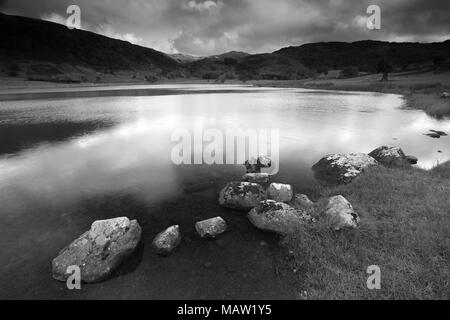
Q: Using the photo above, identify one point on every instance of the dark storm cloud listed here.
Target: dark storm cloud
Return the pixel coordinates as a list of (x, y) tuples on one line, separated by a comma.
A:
[(205, 27)]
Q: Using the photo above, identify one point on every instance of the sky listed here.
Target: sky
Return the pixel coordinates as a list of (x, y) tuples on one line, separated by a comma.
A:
[(208, 27)]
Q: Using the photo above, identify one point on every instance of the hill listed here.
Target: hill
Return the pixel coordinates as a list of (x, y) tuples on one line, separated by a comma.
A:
[(365, 55)]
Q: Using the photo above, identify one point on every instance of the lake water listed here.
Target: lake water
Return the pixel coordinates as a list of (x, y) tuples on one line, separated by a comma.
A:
[(67, 162)]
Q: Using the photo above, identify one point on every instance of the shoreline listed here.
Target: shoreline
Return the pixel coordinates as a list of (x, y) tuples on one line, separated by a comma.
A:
[(422, 91)]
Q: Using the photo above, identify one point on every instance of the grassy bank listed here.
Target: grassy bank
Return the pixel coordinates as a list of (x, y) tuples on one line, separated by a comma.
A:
[(422, 90), (404, 229)]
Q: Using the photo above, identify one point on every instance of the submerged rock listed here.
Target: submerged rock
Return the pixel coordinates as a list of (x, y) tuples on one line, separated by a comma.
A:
[(342, 168), (99, 251), (256, 177), (254, 165), (277, 217), (211, 228), (390, 156), (241, 195), (341, 214), (280, 192), (166, 241), (301, 201)]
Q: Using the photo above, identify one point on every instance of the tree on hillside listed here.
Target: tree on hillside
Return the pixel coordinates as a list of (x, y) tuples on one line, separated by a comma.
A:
[(385, 68)]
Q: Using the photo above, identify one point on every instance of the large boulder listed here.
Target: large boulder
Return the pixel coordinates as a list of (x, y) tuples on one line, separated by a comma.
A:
[(241, 195), (254, 164), (280, 192), (342, 168), (166, 241), (340, 213), (211, 228), (99, 251), (277, 217), (390, 156)]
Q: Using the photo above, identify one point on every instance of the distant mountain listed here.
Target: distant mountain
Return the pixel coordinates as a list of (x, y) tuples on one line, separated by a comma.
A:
[(30, 40), (237, 55), (184, 58)]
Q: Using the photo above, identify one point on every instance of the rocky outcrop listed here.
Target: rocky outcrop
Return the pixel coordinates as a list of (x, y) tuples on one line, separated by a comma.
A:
[(256, 177), (301, 201), (211, 228), (277, 217), (254, 165), (342, 168), (241, 195), (99, 251), (166, 241), (390, 156), (340, 213), (280, 192)]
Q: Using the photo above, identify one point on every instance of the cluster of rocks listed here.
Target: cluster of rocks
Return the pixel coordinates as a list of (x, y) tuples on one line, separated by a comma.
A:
[(344, 168), (103, 248), (276, 208)]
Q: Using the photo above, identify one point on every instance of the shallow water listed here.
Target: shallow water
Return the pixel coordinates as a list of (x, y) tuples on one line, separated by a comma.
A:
[(115, 160)]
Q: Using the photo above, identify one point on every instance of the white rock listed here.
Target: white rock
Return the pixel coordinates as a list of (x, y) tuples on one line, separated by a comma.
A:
[(280, 192), (301, 201), (166, 241), (256, 177), (341, 214), (390, 156), (211, 228), (241, 195)]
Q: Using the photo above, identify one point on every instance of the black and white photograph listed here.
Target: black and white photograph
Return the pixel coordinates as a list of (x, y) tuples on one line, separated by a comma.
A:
[(205, 151)]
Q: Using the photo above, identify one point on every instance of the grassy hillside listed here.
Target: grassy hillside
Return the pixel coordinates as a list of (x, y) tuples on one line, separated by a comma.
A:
[(365, 55)]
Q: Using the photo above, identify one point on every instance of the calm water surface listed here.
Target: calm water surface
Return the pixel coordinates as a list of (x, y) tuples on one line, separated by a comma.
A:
[(68, 162)]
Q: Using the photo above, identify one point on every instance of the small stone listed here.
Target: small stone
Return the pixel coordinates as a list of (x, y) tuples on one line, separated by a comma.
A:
[(208, 265), (256, 177), (280, 192), (166, 241), (211, 228)]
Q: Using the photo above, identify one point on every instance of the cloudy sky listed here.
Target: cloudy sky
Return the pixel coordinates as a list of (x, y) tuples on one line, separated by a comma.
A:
[(205, 27)]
